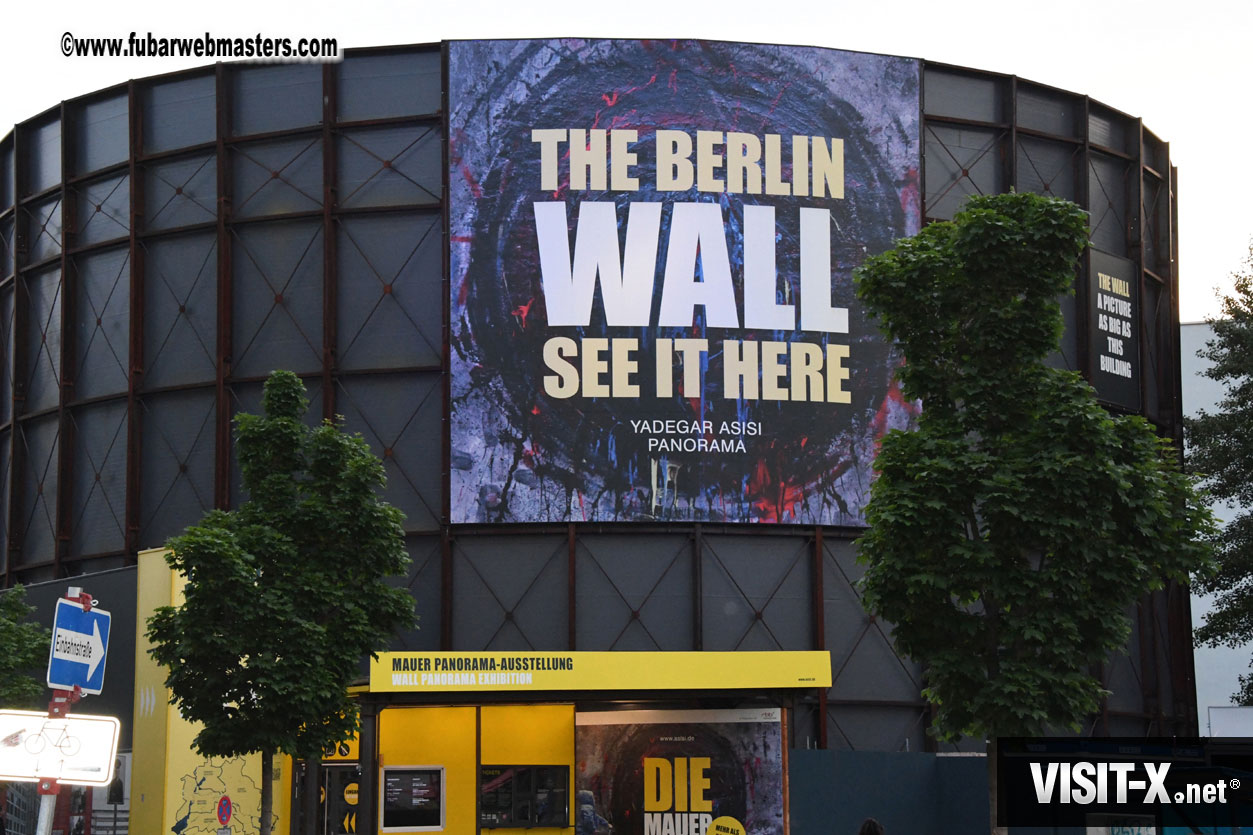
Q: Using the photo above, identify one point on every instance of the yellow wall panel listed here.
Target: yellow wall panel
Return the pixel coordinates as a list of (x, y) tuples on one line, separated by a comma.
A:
[(172, 787), (528, 735), (151, 717), (435, 736)]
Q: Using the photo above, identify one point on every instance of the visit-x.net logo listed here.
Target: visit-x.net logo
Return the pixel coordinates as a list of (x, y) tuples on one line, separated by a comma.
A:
[(1174, 782), (1117, 782)]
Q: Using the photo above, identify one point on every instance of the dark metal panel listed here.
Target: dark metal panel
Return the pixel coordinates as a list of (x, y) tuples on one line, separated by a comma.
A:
[(1155, 210), (445, 589), (1047, 167), (961, 161), (103, 209), (275, 97), (876, 726), (277, 177), (865, 666), (101, 361), (179, 192), (389, 269), (40, 442), (1110, 130), (510, 593), (46, 228), (276, 315), (390, 166), (1155, 344), (635, 592), (101, 134), (43, 150), (1153, 153), (179, 113), (698, 587), (1048, 111), (977, 97), (399, 416), (1122, 673), (180, 303), (1110, 204), (177, 451), (378, 86), (424, 582), (756, 593), (97, 508), (41, 376)]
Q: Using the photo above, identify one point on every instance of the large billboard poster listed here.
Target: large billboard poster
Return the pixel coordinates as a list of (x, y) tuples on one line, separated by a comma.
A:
[(651, 253), (679, 772)]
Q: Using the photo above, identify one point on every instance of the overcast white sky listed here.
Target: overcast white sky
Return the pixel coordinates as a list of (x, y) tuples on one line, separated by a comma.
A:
[(1182, 65)]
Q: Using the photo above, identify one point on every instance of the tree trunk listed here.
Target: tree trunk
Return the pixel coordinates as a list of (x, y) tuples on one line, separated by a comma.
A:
[(993, 757), (267, 790)]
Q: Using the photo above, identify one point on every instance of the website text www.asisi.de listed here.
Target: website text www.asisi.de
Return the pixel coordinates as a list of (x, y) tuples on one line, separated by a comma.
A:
[(256, 47)]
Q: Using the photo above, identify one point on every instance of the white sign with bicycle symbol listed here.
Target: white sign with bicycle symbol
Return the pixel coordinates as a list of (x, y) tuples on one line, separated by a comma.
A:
[(78, 749)]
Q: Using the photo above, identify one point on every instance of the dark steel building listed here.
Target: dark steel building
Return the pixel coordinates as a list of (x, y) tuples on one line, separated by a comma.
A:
[(167, 242)]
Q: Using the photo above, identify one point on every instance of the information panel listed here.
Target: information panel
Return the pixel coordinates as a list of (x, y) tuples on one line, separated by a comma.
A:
[(516, 796), (652, 248), (413, 799)]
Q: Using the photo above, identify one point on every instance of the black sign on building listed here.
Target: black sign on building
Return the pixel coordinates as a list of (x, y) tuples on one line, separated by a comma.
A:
[(1114, 342)]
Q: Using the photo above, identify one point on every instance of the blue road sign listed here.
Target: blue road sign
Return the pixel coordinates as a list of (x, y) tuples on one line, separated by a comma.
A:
[(80, 641)]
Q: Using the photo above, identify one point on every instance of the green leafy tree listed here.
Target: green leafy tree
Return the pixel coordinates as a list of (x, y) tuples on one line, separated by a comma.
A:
[(25, 646), (285, 595), (1220, 445), (1014, 529)]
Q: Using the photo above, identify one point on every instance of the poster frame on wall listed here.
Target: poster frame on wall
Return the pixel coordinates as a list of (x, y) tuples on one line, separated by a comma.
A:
[(759, 779), (382, 795)]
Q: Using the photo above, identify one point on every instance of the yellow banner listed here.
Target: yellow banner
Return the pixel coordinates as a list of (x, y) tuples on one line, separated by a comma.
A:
[(435, 672)]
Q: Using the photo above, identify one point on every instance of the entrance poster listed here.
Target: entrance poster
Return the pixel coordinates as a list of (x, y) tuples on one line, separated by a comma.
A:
[(679, 772), (651, 249)]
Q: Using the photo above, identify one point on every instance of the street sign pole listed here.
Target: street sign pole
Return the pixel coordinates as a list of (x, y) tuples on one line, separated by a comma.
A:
[(59, 707), (47, 805)]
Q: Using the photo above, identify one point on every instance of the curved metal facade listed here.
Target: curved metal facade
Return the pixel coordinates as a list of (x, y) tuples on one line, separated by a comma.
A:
[(166, 243)]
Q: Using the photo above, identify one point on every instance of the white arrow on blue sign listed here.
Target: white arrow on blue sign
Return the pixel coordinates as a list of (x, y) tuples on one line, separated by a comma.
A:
[(80, 641)]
